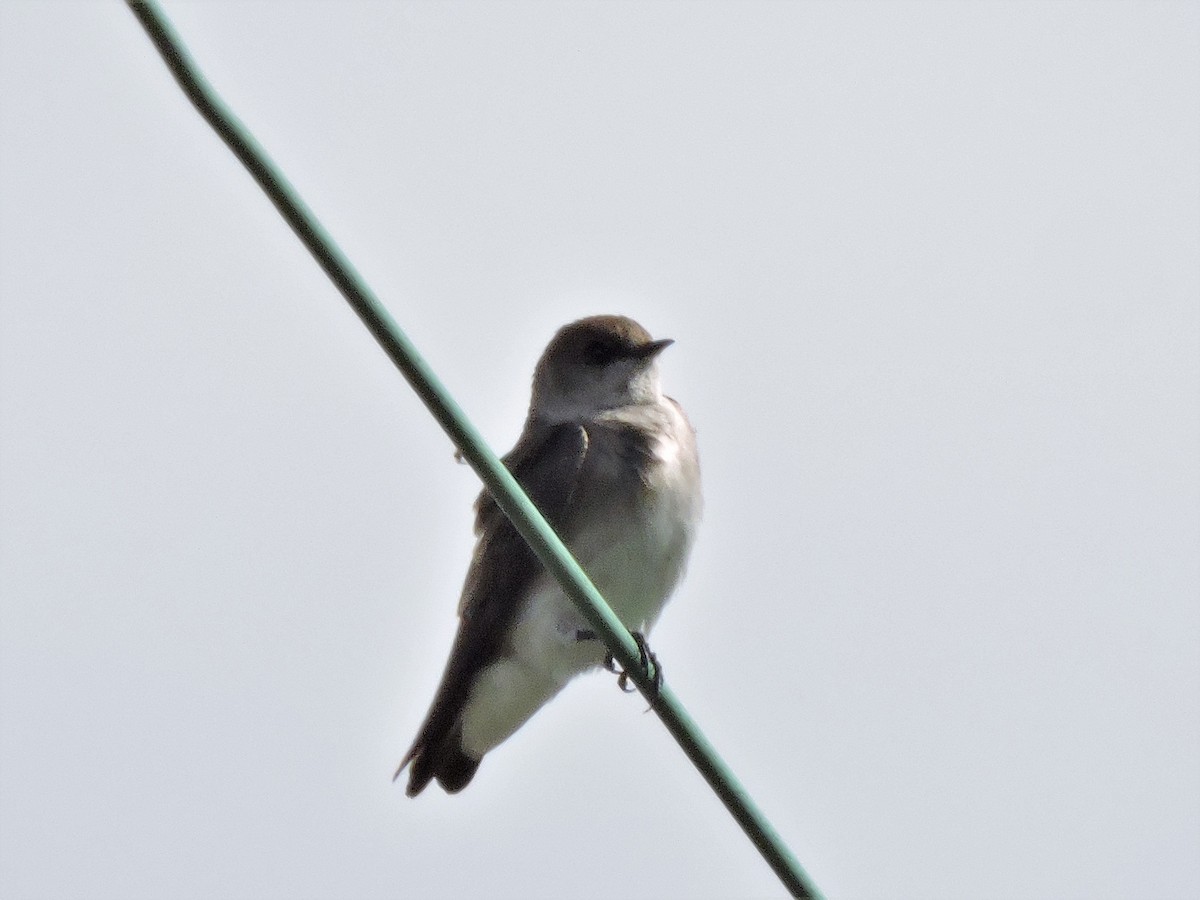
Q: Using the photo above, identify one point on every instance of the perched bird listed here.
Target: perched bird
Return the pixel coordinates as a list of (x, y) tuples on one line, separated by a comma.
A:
[(611, 463)]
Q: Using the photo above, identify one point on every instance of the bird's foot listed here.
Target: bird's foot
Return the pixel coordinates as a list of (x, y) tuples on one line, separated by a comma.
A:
[(648, 660)]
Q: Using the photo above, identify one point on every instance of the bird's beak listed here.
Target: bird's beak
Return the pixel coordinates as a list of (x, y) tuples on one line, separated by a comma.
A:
[(653, 348)]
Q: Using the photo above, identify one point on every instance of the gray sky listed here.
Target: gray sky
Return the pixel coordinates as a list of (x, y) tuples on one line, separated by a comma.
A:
[(934, 274)]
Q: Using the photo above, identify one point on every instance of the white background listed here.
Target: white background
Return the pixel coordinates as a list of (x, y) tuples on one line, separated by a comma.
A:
[(934, 274)]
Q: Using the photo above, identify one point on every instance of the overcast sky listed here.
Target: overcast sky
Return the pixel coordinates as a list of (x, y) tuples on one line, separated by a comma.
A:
[(933, 270)]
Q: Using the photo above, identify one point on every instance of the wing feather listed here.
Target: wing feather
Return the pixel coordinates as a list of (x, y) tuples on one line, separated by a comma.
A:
[(547, 466)]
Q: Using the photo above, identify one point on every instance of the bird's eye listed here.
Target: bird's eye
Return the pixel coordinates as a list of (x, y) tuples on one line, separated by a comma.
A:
[(598, 353)]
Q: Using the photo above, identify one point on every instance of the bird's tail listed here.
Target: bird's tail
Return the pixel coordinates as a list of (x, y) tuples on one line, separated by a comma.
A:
[(446, 761)]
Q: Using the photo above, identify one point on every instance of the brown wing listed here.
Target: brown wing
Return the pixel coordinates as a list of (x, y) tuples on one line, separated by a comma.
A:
[(547, 467)]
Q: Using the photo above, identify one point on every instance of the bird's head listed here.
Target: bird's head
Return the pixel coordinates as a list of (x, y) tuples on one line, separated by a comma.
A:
[(597, 363)]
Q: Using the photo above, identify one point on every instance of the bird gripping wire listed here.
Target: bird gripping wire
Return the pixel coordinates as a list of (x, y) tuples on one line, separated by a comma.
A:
[(503, 487)]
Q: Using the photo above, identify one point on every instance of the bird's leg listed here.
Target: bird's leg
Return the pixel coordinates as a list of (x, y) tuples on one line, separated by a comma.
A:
[(586, 634), (648, 660), (610, 663)]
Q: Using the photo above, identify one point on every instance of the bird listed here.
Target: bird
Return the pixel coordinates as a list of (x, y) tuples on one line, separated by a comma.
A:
[(611, 463)]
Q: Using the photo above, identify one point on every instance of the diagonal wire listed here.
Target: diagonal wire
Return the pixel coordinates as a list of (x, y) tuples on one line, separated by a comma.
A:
[(508, 494)]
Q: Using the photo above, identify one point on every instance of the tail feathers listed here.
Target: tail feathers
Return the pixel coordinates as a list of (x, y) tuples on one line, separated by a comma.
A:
[(447, 762)]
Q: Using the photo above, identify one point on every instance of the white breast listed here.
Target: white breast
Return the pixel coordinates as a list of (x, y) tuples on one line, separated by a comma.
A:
[(636, 562), (635, 559)]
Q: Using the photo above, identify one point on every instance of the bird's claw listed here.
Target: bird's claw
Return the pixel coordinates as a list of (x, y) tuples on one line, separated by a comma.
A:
[(648, 660)]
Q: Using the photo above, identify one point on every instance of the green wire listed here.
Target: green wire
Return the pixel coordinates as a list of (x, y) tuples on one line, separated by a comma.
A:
[(500, 483)]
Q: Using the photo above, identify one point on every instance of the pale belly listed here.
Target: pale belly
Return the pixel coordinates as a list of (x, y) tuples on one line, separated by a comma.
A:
[(635, 564)]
